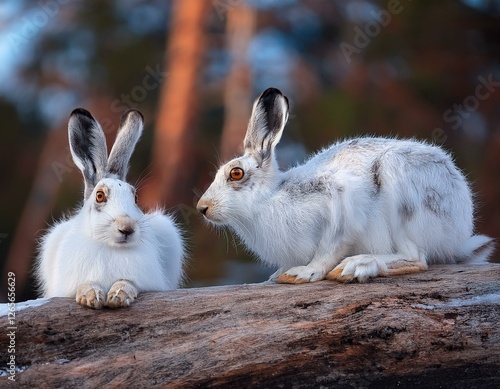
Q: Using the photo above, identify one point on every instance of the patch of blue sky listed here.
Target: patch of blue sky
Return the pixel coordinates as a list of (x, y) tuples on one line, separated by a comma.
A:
[(269, 4), (484, 5), (272, 58), (359, 11), (145, 18)]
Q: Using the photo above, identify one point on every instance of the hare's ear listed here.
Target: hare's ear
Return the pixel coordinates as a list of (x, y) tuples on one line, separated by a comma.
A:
[(269, 116), (88, 147), (131, 126)]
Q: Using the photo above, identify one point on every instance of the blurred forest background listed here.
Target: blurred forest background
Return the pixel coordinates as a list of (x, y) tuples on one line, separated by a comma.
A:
[(424, 69)]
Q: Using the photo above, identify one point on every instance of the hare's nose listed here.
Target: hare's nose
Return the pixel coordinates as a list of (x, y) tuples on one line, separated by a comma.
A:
[(202, 209), (126, 231), (203, 206), (125, 225)]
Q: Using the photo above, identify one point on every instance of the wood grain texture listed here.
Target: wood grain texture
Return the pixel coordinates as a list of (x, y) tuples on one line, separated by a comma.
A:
[(439, 328)]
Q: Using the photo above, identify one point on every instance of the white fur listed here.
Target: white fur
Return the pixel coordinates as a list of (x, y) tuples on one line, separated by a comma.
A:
[(72, 254), (364, 207), (89, 248)]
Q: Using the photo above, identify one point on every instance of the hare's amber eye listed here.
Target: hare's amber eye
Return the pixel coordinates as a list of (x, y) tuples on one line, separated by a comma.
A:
[(100, 196), (236, 174)]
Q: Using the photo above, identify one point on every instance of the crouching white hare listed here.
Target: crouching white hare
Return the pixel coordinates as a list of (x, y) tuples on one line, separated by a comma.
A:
[(361, 208), (110, 250)]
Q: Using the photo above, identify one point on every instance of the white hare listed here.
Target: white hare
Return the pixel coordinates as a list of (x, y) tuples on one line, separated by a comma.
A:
[(110, 250), (361, 208)]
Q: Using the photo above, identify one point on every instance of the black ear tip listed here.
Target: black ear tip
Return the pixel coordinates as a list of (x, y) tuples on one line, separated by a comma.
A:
[(131, 113), (269, 96), (81, 112), (271, 92)]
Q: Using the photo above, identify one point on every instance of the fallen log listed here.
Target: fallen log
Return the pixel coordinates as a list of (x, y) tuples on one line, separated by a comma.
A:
[(435, 329)]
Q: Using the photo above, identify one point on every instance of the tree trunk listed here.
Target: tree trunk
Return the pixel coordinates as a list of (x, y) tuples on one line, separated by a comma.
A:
[(173, 163), (434, 329), (52, 166), (238, 90)]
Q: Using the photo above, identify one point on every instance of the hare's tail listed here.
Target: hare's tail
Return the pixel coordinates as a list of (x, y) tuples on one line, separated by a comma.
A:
[(478, 248)]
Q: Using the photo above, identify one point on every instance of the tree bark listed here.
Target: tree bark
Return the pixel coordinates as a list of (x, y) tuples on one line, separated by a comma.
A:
[(434, 329), (240, 27), (173, 164)]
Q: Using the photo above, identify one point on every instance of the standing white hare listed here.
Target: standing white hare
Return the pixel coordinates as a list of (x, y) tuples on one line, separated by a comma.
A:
[(110, 250), (361, 208)]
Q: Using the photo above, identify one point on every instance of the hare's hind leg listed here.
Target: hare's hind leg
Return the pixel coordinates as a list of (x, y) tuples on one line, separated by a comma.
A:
[(364, 266), (121, 294), (90, 295)]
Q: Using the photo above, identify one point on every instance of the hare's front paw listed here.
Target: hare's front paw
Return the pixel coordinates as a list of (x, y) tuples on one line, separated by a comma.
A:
[(90, 295), (121, 294), (301, 275), (361, 267)]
